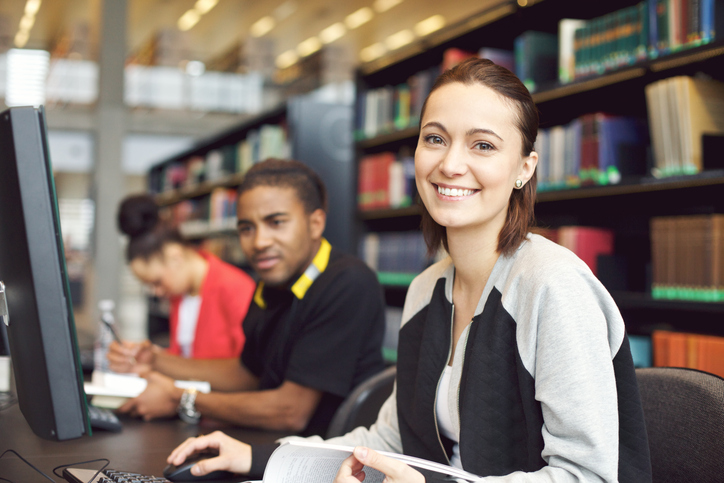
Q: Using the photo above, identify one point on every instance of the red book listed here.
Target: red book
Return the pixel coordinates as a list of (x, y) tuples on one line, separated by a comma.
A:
[(453, 56), (364, 183), (588, 243), (382, 179)]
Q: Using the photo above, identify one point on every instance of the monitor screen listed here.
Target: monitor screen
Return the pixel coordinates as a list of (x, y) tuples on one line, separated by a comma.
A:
[(40, 324)]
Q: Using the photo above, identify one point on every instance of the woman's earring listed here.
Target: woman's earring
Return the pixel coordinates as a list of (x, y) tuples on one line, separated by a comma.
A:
[(518, 184)]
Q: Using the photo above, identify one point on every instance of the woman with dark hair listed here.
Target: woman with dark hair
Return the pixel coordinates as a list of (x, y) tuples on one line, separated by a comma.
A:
[(513, 362), (209, 298)]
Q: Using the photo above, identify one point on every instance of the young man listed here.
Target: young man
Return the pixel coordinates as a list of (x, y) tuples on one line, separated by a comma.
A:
[(313, 331)]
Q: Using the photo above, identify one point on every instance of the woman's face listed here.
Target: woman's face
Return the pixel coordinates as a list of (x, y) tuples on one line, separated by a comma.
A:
[(164, 273), (468, 157)]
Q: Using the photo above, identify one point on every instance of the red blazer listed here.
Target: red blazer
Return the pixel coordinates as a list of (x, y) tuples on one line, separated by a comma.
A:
[(225, 296)]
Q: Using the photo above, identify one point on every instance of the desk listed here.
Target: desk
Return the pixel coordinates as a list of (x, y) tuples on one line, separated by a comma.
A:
[(141, 447)]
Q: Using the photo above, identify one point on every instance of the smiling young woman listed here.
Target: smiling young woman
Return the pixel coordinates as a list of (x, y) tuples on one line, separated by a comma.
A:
[(513, 360)]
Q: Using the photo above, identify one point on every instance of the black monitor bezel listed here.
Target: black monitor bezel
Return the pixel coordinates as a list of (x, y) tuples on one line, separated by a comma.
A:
[(44, 353)]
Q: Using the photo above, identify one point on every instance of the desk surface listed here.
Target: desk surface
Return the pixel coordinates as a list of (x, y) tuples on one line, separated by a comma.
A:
[(141, 447)]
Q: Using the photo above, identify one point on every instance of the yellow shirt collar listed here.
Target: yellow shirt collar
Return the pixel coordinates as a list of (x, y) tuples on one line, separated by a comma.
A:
[(300, 287)]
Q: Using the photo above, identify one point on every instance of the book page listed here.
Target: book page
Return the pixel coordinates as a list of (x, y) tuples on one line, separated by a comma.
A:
[(294, 463), (312, 462)]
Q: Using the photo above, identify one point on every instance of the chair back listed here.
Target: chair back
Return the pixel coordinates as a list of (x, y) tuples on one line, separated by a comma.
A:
[(684, 413), (362, 405)]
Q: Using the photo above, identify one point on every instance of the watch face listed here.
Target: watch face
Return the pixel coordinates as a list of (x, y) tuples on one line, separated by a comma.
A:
[(187, 408)]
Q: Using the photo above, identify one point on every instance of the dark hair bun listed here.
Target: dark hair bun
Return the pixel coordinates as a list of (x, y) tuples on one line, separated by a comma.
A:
[(137, 214)]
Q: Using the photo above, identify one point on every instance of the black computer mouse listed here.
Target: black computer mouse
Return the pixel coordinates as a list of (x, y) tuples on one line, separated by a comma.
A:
[(182, 472)]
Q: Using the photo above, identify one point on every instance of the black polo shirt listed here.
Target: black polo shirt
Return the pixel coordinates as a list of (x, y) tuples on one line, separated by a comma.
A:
[(324, 332)]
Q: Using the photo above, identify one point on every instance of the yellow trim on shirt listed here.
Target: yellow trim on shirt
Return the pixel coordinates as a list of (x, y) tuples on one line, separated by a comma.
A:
[(300, 287)]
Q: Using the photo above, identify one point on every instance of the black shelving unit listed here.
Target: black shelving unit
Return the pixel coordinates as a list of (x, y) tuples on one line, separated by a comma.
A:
[(626, 207)]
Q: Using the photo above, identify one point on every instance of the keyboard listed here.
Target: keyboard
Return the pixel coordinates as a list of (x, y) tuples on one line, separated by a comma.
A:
[(104, 418), (82, 475)]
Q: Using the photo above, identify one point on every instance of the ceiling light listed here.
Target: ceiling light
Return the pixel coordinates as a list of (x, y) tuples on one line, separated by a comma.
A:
[(403, 37), (523, 3), (385, 5), (287, 59), (32, 7), (309, 46), (26, 23), (262, 26), (203, 6), (21, 38), (372, 52), (26, 73), (360, 17), (332, 33), (188, 20), (429, 25)]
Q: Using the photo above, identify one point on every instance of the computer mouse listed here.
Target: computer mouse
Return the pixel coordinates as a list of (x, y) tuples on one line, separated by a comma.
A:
[(182, 472)]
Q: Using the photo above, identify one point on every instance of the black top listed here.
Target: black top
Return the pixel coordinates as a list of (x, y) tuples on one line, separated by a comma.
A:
[(329, 339)]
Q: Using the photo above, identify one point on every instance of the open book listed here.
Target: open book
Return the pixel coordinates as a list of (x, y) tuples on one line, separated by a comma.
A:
[(111, 389), (296, 461)]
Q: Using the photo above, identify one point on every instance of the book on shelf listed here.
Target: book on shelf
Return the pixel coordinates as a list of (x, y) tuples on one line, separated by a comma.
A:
[(453, 56), (222, 205), (385, 181), (647, 30), (693, 351), (587, 243), (504, 58), (681, 110), (302, 460), (390, 108), (687, 257), (225, 247), (641, 350), (395, 252), (536, 58), (595, 148), (566, 48), (268, 141)]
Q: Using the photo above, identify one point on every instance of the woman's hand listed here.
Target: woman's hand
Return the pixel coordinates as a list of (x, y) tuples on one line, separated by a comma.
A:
[(135, 357), (395, 471), (234, 455)]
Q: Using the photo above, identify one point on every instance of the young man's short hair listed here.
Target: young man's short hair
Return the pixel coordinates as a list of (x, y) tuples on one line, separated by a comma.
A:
[(289, 174)]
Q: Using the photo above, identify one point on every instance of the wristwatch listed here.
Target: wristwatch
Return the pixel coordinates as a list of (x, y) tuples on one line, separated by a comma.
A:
[(187, 406)]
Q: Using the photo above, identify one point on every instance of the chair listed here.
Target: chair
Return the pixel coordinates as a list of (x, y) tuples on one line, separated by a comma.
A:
[(684, 414), (364, 402)]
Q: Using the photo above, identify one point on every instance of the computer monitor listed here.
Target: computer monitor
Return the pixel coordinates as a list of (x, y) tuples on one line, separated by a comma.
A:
[(40, 324)]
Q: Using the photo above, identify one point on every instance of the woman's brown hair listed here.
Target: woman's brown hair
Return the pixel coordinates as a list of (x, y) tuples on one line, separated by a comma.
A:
[(520, 217)]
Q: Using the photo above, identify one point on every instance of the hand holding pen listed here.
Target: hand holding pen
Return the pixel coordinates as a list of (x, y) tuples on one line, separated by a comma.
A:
[(126, 356)]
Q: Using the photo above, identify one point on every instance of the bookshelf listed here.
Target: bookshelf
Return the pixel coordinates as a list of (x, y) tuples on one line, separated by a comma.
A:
[(302, 128), (625, 207)]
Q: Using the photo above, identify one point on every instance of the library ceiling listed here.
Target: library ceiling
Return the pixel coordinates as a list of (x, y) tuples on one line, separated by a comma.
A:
[(208, 29)]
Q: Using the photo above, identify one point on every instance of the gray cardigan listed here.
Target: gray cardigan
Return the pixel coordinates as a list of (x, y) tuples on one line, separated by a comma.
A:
[(543, 380)]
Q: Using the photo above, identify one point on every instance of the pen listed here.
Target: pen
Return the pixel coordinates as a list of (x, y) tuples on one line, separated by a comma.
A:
[(112, 329), (115, 336)]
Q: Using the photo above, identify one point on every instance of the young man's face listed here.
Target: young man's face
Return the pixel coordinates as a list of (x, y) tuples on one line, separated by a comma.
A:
[(277, 235)]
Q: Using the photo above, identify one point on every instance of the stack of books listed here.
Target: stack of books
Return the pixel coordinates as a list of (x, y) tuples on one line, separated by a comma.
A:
[(678, 349), (385, 181), (594, 149), (681, 109), (687, 257)]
